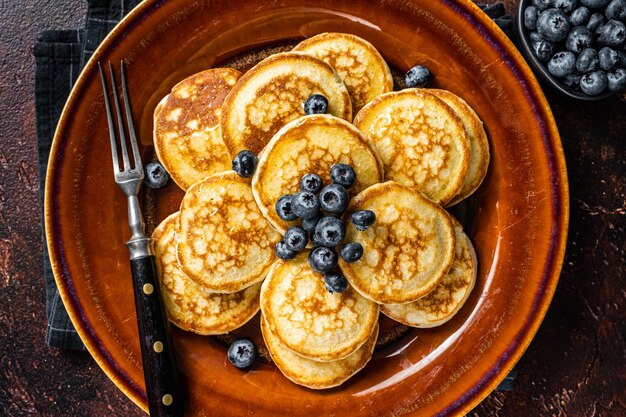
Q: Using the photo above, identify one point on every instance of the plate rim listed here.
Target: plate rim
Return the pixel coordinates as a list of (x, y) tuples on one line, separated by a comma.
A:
[(555, 255)]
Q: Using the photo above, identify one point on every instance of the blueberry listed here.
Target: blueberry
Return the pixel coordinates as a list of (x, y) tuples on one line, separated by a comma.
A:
[(155, 175), (342, 174), (334, 198), (541, 5), (335, 282), (593, 83), (351, 252), (244, 164), (616, 10), (594, 3), (607, 58), (578, 39), (305, 205), (566, 5), (543, 50), (363, 219), (553, 25), (242, 353), (595, 21), (616, 79), (531, 14), (561, 64), (573, 80), (418, 76), (316, 104), (283, 252), (587, 60), (309, 224), (621, 59), (580, 16), (330, 231), (284, 208), (311, 183), (322, 260), (296, 238), (612, 34), (535, 37)]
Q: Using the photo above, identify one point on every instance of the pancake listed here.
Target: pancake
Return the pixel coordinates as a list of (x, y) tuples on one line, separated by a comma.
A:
[(224, 243), (187, 137), (308, 319), (442, 303), (188, 305), (406, 252), (421, 140), (362, 69), (479, 145), (311, 144), (314, 374), (273, 93)]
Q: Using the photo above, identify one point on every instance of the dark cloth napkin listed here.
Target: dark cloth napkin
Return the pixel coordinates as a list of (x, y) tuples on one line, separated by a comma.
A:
[(59, 57)]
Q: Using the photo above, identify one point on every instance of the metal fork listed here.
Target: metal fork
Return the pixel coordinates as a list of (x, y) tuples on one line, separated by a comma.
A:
[(157, 352)]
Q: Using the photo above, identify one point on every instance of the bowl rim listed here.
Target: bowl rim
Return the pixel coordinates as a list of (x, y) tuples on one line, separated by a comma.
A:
[(490, 379)]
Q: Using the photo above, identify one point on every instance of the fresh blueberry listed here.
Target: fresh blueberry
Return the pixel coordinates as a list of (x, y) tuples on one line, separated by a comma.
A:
[(566, 5), (155, 175), (305, 205), (553, 25), (283, 252), (541, 5), (561, 64), (616, 79), (587, 60), (363, 219), (311, 183), (579, 16), (621, 59), (342, 174), (531, 14), (593, 83), (594, 3), (578, 39), (330, 231), (244, 164), (334, 198), (607, 58), (351, 252), (284, 208), (616, 10), (612, 34), (595, 21), (322, 259), (418, 76), (309, 224), (335, 282), (296, 238), (535, 37), (543, 50), (573, 80), (316, 104), (242, 353)]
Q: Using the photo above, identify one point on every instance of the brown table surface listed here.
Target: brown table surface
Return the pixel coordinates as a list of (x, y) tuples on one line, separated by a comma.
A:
[(575, 366)]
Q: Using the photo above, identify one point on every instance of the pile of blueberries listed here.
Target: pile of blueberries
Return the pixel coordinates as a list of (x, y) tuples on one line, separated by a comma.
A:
[(320, 209), (582, 42)]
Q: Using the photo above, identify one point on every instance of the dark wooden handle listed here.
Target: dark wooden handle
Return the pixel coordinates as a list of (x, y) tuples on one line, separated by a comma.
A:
[(157, 350)]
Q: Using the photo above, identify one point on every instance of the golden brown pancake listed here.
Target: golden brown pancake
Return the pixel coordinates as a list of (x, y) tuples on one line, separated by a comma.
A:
[(406, 252), (188, 305), (273, 93), (308, 319), (422, 142), (224, 243), (187, 136), (362, 69)]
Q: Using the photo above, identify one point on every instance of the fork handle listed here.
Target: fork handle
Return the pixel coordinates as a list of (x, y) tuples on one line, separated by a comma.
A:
[(157, 351)]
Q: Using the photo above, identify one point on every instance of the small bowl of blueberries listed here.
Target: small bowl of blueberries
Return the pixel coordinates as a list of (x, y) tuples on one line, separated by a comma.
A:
[(576, 46)]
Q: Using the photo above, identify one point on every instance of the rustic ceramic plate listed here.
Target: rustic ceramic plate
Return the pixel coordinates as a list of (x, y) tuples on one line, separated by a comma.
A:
[(518, 219)]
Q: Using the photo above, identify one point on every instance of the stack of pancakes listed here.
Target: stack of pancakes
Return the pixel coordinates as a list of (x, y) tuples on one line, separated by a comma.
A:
[(414, 151)]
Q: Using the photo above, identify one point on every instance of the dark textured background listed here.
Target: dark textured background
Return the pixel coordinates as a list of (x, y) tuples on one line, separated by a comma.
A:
[(576, 365)]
